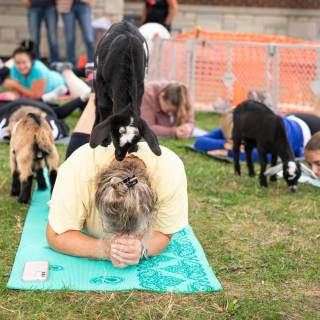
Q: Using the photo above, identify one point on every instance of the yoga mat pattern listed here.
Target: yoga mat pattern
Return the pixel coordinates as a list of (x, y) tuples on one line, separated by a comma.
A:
[(181, 268)]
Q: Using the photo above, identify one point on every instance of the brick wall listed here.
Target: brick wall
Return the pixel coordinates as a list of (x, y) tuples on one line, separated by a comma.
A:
[(291, 21), (299, 4), (14, 27)]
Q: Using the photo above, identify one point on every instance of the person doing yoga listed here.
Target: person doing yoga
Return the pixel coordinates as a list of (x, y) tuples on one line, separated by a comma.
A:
[(167, 109), (299, 127), (129, 209), (312, 153)]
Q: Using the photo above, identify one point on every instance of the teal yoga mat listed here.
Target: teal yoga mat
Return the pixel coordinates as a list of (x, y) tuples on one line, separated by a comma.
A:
[(181, 268)]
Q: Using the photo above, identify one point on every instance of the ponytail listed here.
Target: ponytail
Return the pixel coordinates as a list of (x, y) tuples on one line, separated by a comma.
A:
[(26, 46)]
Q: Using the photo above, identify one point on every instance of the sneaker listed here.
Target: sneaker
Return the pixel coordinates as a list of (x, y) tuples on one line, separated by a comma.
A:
[(61, 66), (55, 94), (89, 71)]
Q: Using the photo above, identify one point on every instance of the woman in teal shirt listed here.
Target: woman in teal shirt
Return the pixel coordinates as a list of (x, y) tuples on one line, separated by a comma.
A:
[(30, 77)]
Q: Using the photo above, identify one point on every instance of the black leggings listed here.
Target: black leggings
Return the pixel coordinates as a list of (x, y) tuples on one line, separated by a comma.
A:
[(62, 111), (77, 139)]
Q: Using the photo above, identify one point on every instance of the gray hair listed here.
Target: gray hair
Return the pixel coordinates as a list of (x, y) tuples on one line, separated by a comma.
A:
[(125, 209)]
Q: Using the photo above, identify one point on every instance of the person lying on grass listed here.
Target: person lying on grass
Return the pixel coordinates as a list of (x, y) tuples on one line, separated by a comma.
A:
[(312, 154), (167, 109), (29, 76), (299, 127), (129, 209)]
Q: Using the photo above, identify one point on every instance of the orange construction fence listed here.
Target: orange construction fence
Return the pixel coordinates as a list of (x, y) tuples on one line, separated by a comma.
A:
[(225, 66)]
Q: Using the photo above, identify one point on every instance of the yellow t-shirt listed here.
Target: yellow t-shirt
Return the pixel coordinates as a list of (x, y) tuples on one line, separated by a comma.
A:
[(72, 204)]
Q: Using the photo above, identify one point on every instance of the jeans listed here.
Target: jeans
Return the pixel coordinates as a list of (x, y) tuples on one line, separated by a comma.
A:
[(50, 16), (82, 13)]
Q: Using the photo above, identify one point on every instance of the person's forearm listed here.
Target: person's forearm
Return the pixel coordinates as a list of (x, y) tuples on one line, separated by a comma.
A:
[(27, 92), (156, 243), (163, 131), (144, 15), (76, 243), (173, 8)]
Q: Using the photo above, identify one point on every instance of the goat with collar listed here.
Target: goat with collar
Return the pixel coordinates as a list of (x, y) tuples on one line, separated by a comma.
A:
[(120, 64)]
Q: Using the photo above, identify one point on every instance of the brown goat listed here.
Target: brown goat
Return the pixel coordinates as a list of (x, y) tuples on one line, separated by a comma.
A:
[(31, 149)]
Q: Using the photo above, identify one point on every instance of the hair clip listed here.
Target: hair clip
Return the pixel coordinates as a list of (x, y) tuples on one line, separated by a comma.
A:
[(130, 182)]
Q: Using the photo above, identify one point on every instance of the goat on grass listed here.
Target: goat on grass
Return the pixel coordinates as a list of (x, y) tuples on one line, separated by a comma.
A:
[(120, 63), (255, 125), (31, 149)]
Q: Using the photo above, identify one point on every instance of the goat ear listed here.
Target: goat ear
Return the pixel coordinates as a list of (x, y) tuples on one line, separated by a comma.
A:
[(150, 138), (100, 135), (273, 170), (306, 171)]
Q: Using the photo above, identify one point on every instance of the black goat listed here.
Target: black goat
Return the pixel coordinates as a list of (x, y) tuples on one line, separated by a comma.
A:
[(255, 125), (120, 64)]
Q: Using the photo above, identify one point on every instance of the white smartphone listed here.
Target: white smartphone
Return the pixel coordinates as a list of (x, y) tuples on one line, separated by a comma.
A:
[(35, 271)]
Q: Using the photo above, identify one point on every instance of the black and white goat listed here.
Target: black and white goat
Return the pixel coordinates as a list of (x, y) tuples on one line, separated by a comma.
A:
[(255, 125), (120, 64)]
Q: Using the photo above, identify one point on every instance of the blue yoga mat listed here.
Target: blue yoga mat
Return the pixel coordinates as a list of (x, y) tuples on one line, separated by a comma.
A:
[(181, 268)]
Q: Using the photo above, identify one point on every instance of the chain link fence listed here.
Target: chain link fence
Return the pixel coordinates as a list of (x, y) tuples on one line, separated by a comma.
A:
[(220, 73)]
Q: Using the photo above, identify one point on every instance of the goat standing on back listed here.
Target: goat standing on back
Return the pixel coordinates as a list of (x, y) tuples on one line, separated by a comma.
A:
[(255, 125), (120, 64), (31, 149)]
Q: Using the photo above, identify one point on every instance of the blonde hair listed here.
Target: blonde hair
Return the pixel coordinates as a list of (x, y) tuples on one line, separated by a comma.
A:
[(177, 95), (227, 124), (123, 209)]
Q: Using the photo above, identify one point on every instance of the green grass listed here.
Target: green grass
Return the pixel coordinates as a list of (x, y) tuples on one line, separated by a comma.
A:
[(262, 243)]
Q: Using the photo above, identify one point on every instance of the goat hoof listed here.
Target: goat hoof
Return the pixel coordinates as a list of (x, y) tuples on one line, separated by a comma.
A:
[(252, 174), (42, 186), (23, 200), (14, 193), (273, 178)]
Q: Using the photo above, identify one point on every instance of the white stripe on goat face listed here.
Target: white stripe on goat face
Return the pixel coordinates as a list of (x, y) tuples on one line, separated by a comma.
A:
[(128, 133), (292, 169)]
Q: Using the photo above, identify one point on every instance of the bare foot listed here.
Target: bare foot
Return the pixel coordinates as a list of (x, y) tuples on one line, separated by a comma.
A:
[(221, 152)]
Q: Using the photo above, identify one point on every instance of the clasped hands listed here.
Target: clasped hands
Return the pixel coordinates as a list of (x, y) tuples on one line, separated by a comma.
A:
[(125, 250), (184, 131)]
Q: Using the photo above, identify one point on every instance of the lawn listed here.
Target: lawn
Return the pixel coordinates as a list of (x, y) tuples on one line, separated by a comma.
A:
[(263, 244)]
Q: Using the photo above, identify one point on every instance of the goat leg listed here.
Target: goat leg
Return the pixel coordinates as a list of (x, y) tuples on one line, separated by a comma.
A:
[(40, 179), (274, 158), (248, 149), (15, 187), (26, 187), (236, 157), (263, 167), (52, 177), (52, 163)]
